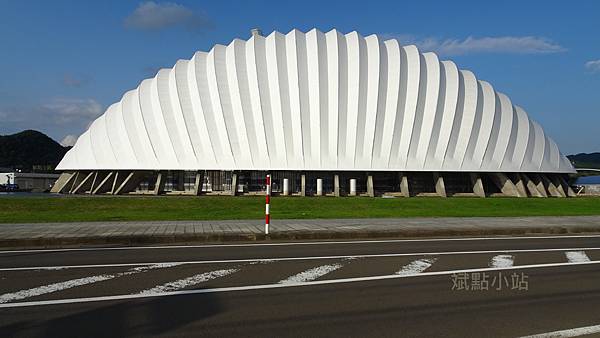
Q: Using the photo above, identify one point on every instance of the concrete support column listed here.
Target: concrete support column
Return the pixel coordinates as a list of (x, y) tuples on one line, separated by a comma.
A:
[(404, 189), (505, 185), (131, 182), (128, 183), (181, 180), (570, 192), (520, 185), (440, 187), (540, 185), (558, 185), (75, 181), (336, 185), (233, 184), (160, 184), (93, 182), (83, 182), (62, 182), (530, 185), (552, 190), (370, 187), (114, 183), (103, 186), (319, 187), (353, 187), (286, 186), (198, 183), (477, 183), (303, 185)]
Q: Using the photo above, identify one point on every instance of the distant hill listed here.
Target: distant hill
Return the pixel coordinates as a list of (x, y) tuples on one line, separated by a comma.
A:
[(30, 150), (583, 160)]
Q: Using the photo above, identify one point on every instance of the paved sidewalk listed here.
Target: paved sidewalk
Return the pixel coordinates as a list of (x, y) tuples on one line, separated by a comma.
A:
[(127, 233)]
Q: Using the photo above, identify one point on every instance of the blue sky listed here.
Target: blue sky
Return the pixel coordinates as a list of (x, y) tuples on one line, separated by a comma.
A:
[(63, 62)]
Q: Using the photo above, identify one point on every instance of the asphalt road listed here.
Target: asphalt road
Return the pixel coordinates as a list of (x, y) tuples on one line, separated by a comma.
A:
[(507, 287)]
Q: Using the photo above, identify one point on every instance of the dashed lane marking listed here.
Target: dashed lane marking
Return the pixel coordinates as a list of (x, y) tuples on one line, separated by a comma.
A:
[(577, 256), (501, 261), (417, 266), (55, 287), (576, 332), (311, 274), (41, 290), (281, 285), (190, 281)]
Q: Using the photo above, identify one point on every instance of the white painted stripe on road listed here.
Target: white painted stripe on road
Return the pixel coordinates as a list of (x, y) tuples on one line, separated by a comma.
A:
[(281, 259), (577, 256), (60, 286), (38, 291), (501, 261), (279, 285), (580, 331), (417, 266), (311, 274), (262, 261), (203, 246), (148, 267), (190, 281)]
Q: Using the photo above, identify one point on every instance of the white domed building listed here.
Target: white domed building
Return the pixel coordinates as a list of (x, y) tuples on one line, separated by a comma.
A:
[(324, 114)]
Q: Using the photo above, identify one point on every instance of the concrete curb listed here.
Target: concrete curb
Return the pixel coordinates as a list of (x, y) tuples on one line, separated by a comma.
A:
[(286, 236)]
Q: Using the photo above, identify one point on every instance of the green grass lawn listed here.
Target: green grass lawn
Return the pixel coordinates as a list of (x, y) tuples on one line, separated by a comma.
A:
[(72, 209)]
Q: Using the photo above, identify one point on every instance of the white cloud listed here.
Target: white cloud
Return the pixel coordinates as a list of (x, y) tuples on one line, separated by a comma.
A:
[(66, 110), (593, 66), (56, 117), (150, 15), (68, 141), (472, 45)]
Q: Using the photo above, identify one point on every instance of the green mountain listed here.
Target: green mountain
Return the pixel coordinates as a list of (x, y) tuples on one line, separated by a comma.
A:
[(583, 160), (30, 150)]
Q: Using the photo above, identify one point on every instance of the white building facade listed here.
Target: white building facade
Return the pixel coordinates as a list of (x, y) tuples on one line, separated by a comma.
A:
[(315, 106)]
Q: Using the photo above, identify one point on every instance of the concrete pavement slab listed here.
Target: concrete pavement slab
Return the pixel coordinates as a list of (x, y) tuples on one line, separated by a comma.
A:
[(89, 233)]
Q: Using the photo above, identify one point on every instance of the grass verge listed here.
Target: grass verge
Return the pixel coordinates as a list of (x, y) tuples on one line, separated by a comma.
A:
[(126, 208)]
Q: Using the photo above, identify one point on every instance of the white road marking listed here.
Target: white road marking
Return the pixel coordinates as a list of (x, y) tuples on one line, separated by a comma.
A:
[(190, 281), (60, 286), (22, 294), (149, 267), (501, 261), (580, 331), (577, 256), (311, 274), (417, 266), (262, 261), (280, 259), (202, 246), (280, 285)]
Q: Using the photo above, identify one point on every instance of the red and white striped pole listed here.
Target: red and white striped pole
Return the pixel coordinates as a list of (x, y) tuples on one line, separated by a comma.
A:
[(268, 206)]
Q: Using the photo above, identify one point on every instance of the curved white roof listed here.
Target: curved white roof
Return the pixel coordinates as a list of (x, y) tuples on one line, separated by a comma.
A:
[(315, 101)]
